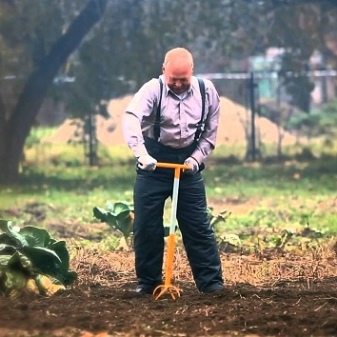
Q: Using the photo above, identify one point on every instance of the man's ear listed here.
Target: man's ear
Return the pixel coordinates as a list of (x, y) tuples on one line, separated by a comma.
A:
[(163, 68)]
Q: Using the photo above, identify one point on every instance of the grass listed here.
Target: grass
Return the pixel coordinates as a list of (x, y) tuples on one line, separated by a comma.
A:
[(263, 198)]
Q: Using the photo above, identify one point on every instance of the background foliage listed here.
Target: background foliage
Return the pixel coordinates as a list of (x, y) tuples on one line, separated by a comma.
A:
[(83, 54)]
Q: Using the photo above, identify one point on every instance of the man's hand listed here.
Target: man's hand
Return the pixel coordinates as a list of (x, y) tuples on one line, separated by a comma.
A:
[(193, 164), (147, 163)]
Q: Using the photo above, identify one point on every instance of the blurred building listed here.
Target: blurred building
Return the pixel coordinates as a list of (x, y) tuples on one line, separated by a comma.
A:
[(235, 83)]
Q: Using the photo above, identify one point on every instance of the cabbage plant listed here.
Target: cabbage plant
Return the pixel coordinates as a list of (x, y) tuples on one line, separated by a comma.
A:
[(31, 260), (118, 216)]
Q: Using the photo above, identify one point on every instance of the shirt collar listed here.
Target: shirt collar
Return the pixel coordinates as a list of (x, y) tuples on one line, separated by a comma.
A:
[(193, 87)]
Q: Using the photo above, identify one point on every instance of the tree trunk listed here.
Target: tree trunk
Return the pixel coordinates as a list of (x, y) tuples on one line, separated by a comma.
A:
[(3, 137), (13, 132)]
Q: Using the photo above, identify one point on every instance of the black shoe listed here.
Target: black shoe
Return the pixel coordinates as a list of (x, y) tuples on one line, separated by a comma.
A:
[(144, 290), (218, 291), (215, 289)]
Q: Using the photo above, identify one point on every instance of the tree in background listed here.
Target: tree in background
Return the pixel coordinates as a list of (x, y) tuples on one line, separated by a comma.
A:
[(33, 32), (300, 30)]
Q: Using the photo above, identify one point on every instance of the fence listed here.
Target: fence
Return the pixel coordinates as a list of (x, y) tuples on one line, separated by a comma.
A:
[(250, 88)]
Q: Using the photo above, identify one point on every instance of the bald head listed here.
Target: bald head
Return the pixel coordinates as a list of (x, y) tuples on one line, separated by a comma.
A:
[(179, 55), (178, 69)]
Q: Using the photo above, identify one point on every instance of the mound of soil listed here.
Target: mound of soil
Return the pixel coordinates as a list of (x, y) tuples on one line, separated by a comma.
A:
[(234, 125)]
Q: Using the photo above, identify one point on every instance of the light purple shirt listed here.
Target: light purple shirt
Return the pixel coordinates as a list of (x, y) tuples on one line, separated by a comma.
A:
[(179, 118)]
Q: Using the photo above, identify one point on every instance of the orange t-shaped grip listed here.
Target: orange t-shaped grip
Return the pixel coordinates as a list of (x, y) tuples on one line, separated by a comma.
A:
[(177, 168), (173, 166)]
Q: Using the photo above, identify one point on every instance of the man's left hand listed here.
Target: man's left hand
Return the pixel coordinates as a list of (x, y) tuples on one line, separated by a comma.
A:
[(193, 164)]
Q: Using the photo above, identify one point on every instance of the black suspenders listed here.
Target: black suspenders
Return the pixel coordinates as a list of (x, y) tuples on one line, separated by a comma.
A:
[(156, 128), (200, 128), (199, 125)]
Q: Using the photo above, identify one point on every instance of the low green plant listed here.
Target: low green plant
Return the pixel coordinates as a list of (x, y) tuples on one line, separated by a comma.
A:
[(31, 260), (217, 220), (118, 216), (228, 242)]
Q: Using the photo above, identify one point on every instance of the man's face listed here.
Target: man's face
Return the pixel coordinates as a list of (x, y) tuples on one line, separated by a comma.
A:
[(178, 75)]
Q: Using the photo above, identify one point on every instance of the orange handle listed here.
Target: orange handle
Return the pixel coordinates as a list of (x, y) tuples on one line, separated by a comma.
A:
[(173, 166), (170, 259)]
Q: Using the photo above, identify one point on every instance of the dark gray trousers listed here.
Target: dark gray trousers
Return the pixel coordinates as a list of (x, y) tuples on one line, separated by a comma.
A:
[(150, 193)]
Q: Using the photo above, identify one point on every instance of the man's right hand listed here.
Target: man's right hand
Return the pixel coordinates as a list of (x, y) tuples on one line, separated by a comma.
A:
[(147, 163)]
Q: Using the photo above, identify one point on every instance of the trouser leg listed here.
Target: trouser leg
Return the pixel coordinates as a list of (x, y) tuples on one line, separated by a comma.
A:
[(198, 236), (149, 200)]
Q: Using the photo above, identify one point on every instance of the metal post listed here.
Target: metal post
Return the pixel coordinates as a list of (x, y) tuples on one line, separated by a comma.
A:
[(91, 145), (90, 139), (252, 86)]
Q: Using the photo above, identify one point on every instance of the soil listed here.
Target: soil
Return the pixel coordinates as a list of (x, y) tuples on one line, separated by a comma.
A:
[(102, 302)]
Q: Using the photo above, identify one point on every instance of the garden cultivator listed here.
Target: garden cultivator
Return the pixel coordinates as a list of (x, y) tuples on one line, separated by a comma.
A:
[(168, 287)]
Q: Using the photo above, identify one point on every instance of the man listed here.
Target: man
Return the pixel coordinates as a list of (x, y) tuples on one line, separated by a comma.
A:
[(164, 124)]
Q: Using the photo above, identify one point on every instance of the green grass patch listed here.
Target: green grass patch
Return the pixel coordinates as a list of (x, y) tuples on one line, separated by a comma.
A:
[(57, 186)]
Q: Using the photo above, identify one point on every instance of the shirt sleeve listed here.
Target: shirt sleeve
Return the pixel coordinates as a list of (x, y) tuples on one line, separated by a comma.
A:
[(206, 143), (141, 106)]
